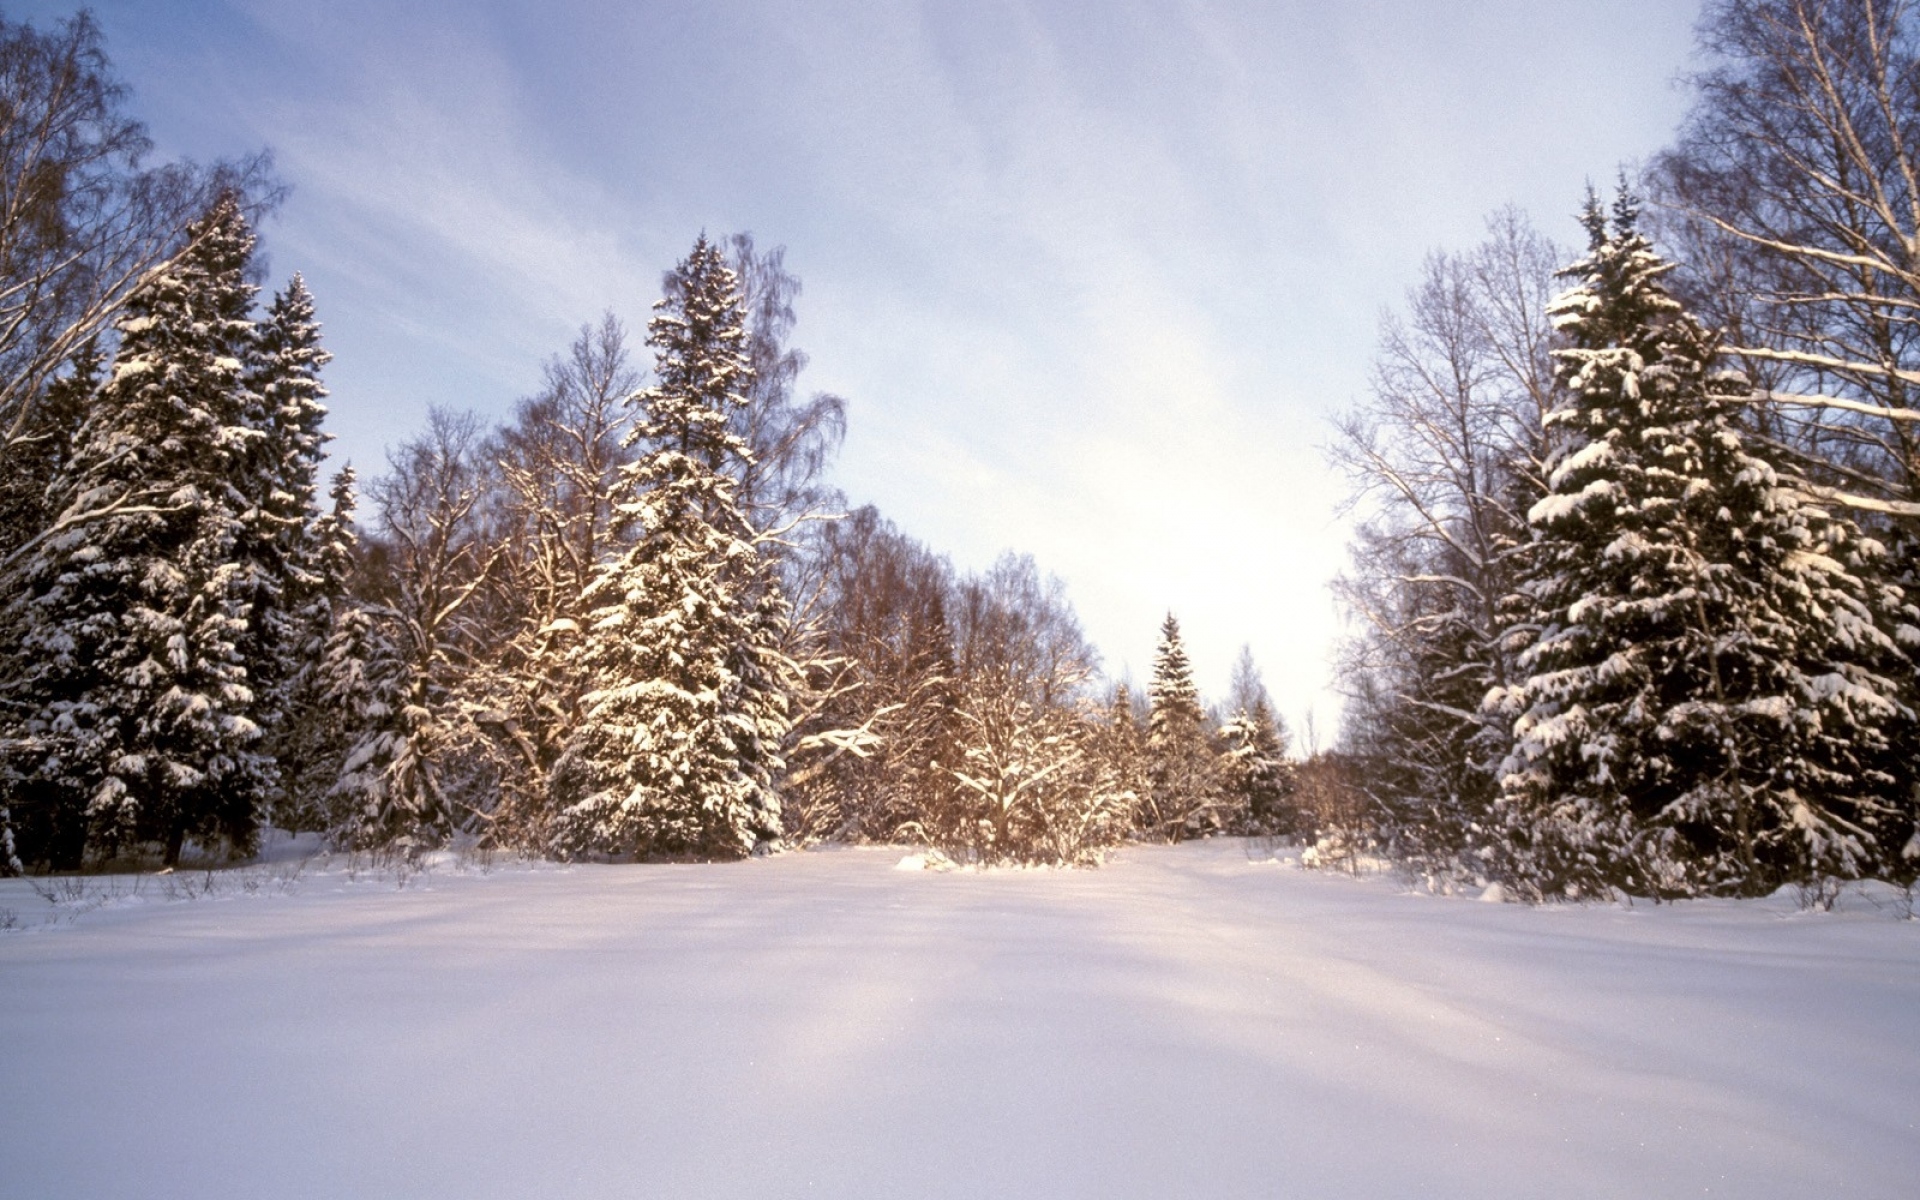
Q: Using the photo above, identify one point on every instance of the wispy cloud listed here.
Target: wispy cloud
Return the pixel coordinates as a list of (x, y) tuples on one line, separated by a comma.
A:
[(1092, 277)]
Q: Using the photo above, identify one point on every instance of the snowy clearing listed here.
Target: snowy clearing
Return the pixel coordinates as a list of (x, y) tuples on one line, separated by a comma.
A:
[(1187, 1021)]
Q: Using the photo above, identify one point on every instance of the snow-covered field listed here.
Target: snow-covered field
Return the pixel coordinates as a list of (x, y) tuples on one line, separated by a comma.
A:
[(1187, 1021)]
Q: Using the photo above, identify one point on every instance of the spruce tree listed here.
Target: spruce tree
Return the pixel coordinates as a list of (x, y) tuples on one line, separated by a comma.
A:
[(391, 790), (31, 463), (679, 741), (1713, 701), (1180, 768), (34, 822), (139, 711), (322, 692), (1256, 776), (289, 595), (1121, 750)]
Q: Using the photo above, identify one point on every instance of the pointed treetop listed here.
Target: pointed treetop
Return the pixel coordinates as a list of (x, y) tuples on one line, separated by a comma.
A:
[(1617, 299), (1172, 686)]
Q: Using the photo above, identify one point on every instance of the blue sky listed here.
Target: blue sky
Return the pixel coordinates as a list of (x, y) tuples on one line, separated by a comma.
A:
[(1093, 278)]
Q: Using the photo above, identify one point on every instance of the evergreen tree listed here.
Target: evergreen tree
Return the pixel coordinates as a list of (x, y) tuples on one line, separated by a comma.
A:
[(140, 712), (686, 709), (288, 596), (33, 821), (1256, 776), (286, 378), (323, 692), (43, 451), (391, 791), (1712, 704), (1121, 750), (1180, 769)]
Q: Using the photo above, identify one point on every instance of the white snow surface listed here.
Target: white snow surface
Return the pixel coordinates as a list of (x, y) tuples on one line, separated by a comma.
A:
[(1200, 1020)]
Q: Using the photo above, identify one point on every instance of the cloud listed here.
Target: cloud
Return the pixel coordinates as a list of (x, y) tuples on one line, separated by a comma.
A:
[(1092, 277)]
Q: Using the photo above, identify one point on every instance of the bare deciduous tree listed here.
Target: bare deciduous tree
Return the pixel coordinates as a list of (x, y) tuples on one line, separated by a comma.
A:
[(558, 467), (82, 222), (1445, 459), (1794, 192)]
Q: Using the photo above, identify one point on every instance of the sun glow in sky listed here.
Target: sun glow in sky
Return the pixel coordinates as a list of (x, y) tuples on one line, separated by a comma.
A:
[(1092, 277)]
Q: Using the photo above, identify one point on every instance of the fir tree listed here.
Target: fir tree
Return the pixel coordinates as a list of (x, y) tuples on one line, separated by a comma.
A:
[(686, 709), (141, 712), (1180, 767), (286, 378), (1713, 701)]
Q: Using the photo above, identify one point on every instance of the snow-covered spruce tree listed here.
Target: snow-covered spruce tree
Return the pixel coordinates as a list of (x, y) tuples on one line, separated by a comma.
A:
[(34, 825), (1183, 784), (686, 704), (290, 597), (140, 712), (1119, 749), (1256, 777), (322, 696), (1713, 702), (391, 791)]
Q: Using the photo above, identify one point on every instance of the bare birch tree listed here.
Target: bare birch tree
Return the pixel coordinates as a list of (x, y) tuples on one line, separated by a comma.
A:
[(1444, 460), (1794, 195)]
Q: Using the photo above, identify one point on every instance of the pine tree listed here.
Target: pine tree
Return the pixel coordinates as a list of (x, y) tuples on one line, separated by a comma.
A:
[(1180, 768), (1712, 704), (679, 742), (140, 711)]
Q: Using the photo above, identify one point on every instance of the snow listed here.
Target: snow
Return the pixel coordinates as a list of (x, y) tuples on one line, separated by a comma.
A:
[(1197, 1020)]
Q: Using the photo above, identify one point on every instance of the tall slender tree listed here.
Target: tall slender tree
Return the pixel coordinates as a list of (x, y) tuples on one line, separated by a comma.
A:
[(558, 521), (1255, 774), (1445, 459), (1180, 764), (323, 702), (278, 550), (686, 705), (413, 644)]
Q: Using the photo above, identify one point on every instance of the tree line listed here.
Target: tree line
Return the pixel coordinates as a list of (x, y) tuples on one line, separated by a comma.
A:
[(632, 620), (1639, 536)]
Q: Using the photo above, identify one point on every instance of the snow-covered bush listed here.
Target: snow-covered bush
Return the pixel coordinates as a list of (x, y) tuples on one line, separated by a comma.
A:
[(1027, 786)]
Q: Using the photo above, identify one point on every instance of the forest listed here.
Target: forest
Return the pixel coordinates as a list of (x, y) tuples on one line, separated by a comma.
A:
[(1631, 601)]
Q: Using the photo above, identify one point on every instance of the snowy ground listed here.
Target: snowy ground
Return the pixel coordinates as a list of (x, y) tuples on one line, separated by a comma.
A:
[(1184, 1022)]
